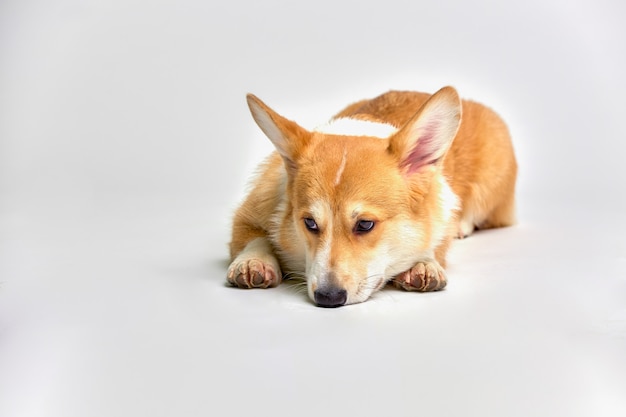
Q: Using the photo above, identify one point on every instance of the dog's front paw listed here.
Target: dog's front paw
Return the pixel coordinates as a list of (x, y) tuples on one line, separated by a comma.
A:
[(254, 273), (424, 276)]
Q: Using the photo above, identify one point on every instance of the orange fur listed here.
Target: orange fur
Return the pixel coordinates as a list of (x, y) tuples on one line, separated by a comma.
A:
[(405, 186), (480, 164)]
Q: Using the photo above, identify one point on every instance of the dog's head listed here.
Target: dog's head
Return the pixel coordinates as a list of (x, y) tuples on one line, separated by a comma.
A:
[(365, 208)]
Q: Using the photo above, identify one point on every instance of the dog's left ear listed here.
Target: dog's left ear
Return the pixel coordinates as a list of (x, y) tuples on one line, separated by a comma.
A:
[(425, 139), (287, 136)]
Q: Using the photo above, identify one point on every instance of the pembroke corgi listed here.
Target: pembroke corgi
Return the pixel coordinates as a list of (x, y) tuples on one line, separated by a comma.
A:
[(374, 196)]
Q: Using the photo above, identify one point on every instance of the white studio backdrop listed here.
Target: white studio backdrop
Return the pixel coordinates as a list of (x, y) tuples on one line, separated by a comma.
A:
[(130, 97), (126, 143)]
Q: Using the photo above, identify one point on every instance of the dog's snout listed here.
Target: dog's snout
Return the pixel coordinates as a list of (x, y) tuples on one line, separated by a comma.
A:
[(330, 297)]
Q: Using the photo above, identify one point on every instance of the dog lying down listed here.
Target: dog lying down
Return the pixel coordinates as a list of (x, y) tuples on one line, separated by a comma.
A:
[(373, 197)]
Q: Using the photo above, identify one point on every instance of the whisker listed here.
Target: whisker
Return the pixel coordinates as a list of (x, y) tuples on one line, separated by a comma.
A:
[(293, 275), (296, 281), (368, 288)]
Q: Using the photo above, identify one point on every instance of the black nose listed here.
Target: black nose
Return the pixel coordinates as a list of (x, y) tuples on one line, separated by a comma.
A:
[(330, 297)]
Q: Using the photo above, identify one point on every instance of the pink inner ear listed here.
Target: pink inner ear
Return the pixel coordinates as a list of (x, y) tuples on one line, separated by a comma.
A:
[(426, 149)]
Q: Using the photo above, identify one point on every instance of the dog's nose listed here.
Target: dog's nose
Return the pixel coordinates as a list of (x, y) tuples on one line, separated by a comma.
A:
[(330, 297)]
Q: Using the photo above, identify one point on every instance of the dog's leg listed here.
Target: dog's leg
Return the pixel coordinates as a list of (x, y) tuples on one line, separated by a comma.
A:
[(504, 214), (255, 266), (427, 275), (470, 214), (424, 276), (466, 227)]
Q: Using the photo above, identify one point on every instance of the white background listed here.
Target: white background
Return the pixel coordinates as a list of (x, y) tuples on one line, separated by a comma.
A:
[(125, 145)]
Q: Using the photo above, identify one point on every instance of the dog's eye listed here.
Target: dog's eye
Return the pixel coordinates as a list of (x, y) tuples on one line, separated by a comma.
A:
[(364, 226), (311, 225)]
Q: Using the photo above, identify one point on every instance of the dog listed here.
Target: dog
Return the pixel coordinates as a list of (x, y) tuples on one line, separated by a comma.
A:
[(375, 196)]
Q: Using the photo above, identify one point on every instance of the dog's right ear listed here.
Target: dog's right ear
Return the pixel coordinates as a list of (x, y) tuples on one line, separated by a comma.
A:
[(287, 136)]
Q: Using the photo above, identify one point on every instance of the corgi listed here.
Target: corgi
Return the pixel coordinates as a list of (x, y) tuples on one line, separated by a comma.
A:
[(375, 196)]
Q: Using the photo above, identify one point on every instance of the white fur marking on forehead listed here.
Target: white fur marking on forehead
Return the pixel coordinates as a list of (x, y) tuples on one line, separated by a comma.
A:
[(345, 126), (342, 166)]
